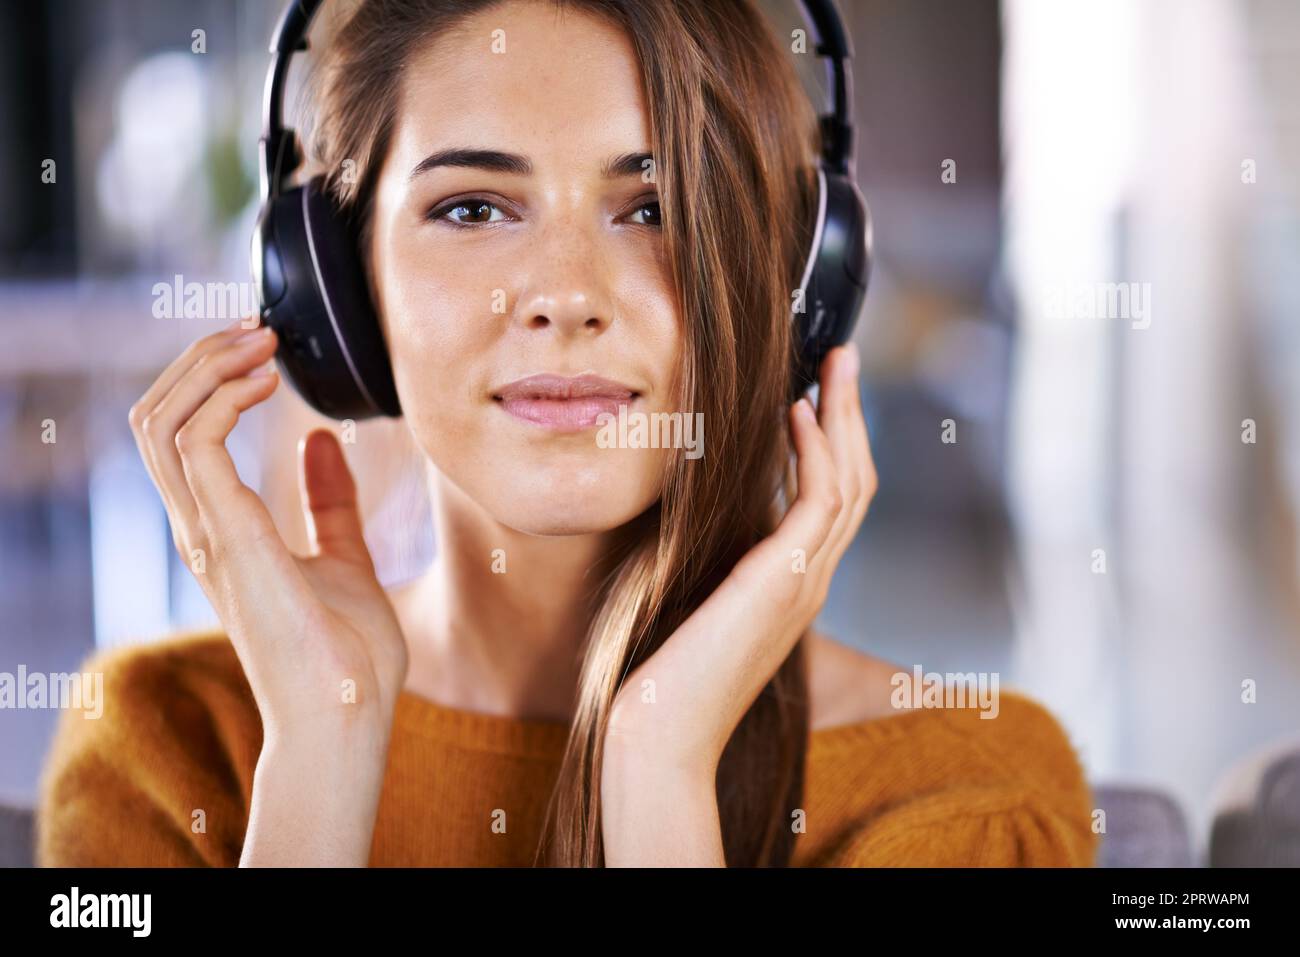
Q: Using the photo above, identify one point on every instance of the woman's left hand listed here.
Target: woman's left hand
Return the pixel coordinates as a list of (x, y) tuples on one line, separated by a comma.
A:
[(678, 709)]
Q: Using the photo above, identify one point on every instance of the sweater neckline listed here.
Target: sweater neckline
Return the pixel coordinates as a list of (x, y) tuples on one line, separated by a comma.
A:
[(545, 738)]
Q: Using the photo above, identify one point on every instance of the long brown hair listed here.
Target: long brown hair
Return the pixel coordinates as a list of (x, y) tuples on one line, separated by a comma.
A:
[(735, 141)]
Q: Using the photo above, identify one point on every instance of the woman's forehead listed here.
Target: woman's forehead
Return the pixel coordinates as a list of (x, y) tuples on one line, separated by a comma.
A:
[(520, 75)]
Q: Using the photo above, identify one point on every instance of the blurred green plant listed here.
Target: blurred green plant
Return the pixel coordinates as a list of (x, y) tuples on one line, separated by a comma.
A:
[(231, 186)]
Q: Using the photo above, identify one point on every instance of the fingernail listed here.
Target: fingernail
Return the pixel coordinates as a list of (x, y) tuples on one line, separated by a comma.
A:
[(261, 332), (852, 360), (806, 408), (262, 370)]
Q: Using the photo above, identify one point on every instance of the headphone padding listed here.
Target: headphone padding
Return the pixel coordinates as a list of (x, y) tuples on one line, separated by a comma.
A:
[(313, 293), (837, 273)]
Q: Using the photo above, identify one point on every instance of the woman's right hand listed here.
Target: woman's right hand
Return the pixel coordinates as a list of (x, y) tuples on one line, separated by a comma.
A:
[(317, 636)]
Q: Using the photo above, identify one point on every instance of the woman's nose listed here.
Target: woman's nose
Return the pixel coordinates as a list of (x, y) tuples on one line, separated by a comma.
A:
[(567, 291), (571, 312)]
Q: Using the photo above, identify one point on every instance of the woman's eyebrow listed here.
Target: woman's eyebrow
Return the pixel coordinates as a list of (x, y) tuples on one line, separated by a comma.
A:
[(628, 164), (492, 160), (496, 161)]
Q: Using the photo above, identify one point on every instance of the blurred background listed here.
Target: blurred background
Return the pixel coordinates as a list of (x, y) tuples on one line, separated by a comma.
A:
[(1094, 497)]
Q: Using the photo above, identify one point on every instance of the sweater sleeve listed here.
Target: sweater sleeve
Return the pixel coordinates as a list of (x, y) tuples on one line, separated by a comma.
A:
[(151, 780), (972, 827), (1008, 792)]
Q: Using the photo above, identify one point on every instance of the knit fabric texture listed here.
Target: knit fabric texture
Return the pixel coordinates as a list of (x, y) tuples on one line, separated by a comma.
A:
[(180, 733)]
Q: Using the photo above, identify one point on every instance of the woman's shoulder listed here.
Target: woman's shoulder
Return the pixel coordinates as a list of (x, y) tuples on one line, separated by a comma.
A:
[(846, 686), (936, 769), (189, 682), (853, 691), (186, 655), (153, 766)]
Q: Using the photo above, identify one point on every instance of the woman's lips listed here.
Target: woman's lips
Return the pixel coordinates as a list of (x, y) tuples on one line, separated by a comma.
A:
[(563, 415), (564, 403)]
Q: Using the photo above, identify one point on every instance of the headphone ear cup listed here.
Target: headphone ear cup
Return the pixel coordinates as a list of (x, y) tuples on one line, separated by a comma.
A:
[(312, 291), (835, 276)]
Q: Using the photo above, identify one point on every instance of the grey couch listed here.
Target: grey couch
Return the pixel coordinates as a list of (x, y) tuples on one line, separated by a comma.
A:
[(16, 847), (1257, 810), (1144, 828)]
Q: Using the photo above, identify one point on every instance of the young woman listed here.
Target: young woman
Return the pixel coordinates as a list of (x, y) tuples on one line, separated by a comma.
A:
[(609, 661)]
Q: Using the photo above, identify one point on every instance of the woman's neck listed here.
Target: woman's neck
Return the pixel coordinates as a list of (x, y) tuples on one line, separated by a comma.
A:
[(498, 622)]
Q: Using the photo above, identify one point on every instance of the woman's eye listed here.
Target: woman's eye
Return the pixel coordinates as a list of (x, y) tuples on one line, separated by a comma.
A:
[(480, 212), (652, 219), (469, 212)]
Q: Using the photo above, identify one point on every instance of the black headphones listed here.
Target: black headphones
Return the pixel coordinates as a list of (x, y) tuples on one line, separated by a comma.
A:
[(312, 291)]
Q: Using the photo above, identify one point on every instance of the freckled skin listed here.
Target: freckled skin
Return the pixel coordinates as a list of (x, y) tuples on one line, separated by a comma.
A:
[(577, 275)]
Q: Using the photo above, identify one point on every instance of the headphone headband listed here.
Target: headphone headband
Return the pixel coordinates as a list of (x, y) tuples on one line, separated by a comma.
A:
[(278, 145), (281, 154), (834, 44)]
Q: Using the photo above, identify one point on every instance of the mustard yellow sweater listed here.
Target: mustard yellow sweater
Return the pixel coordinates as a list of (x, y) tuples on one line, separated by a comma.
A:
[(180, 733)]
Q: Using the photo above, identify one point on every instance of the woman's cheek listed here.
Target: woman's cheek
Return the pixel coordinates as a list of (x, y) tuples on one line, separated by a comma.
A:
[(439, 342)]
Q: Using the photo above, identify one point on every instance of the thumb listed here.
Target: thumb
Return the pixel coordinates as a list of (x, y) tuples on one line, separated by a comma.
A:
[(329, 498)]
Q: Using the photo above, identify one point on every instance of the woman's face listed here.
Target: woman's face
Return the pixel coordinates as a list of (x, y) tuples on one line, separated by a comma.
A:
[(524, 257)]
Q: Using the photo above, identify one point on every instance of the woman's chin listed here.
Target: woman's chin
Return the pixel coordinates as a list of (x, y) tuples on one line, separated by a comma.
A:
[(545, 492), (567, 515)]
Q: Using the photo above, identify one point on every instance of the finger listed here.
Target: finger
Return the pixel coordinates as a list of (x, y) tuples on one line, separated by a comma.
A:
[(218, 365), (236, 524), (159, 388), (838, 407), (857, 425), (818, 500), (183, 363), (841, 415), (863, 462), (329, 497)]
